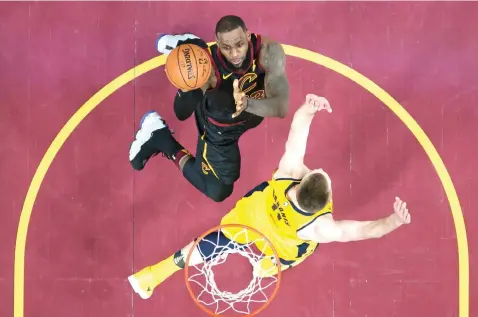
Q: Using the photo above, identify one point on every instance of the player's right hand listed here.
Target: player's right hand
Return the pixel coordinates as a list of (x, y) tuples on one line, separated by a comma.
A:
[(401, 211), (239, 98), (317, 103)]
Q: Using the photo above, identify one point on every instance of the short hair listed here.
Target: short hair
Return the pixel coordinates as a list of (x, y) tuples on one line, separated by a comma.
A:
[(228, 23), (313, 193)]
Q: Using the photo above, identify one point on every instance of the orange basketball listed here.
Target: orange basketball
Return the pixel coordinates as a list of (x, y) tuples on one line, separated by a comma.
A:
[(188, 66)]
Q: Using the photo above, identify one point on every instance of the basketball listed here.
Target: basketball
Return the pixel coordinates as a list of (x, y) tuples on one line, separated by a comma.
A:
[(188, 67)]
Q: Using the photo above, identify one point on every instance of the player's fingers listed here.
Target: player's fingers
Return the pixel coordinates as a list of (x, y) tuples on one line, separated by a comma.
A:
[(238, 112), (323, 104), (311, 100), (404, 214), (404, 217), (397, 203), (328, 107), (310, 97), (239, 108), (403, 207), (407, 216), (235, 84)]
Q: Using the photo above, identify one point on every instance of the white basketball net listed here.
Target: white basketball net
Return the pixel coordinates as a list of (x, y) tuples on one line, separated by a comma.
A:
[(241, 301)]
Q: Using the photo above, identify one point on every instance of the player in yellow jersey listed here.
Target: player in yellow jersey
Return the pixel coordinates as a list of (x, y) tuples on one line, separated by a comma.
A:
[(293, 210)]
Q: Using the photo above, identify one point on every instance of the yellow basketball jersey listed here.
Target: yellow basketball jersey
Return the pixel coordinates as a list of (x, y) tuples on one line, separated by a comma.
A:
[(267, 209)]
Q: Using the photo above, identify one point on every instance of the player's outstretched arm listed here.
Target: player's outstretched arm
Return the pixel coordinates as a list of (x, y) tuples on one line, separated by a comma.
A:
[(276, 103), (325, 229), (292, 162)]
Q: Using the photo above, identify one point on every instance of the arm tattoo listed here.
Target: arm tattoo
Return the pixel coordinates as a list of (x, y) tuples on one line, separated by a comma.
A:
[(276, 103), (274, 63)]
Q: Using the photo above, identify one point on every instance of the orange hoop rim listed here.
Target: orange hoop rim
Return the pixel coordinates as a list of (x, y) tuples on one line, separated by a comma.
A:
[(216, 228)]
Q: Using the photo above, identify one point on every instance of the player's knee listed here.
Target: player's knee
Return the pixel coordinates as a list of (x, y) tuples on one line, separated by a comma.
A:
[(218, 198), (213, 244), (221, 193)]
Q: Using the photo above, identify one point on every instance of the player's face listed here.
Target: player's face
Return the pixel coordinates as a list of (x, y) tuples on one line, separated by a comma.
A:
[(234, 45)]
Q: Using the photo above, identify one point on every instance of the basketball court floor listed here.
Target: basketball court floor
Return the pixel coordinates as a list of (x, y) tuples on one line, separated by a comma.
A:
[(77, 220)]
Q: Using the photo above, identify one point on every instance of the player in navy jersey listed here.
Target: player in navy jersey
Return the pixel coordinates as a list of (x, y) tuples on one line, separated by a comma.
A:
[(248, 83)]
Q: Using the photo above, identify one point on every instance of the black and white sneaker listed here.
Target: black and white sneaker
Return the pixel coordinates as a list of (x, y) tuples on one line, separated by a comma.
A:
[(153, 137)]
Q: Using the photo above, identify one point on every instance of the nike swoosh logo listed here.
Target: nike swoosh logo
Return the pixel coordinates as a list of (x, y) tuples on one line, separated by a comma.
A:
[(226, 76)]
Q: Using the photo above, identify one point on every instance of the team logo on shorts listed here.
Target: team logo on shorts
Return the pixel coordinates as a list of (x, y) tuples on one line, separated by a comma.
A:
[(205, 168)]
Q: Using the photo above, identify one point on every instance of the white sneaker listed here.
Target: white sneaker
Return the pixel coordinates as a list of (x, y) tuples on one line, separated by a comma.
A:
[(139, 155), (142, 283), (168, 42)]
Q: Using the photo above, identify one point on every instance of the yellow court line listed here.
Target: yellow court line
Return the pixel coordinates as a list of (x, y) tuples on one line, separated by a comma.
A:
[(105, 92)]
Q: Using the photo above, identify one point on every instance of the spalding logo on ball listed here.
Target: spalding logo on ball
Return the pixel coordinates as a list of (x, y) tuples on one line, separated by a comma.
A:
[(188, 67)]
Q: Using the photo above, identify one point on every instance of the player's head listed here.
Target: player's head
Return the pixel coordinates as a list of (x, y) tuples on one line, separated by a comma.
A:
[(314, 191), (232, 38)]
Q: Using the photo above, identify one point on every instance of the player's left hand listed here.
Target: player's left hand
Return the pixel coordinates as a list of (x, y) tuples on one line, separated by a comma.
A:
[(401, 211), (240, 99)]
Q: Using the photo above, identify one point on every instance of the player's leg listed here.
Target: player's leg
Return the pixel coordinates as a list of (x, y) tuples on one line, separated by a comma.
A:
[(202, 175), (145, 281), (154, 137), (207, 184)]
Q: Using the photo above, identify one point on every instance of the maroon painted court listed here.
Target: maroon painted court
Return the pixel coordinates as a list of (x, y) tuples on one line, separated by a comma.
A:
[(95, 221)]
